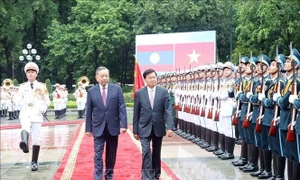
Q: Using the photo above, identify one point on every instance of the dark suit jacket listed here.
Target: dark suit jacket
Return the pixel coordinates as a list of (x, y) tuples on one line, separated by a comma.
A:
[(145, 118), (113, 114)]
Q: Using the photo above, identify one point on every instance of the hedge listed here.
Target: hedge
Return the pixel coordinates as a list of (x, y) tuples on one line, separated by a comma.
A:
[(72, 104)]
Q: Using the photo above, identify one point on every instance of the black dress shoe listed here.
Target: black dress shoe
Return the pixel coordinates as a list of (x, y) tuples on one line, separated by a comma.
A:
[(34, 166), (251, 168), (245, 166), (218, 152), (211, 149), (279, 177), (227, 156), (240, 163), (272, 178), (257, 173), (265, 175)]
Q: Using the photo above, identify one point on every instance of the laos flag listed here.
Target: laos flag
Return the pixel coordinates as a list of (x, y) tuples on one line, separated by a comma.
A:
[(175, 51)]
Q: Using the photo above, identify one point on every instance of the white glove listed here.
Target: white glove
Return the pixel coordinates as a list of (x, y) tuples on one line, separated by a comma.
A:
[(292, 98), (276, 96), (260, 96), (237, 93), (249, 94), (230, 89)]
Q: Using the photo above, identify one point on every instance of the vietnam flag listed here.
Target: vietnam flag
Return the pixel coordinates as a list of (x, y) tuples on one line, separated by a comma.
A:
[(138, 79)]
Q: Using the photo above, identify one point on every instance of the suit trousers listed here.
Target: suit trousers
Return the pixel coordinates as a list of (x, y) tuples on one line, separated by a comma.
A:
[(151, 165), (110, 154)]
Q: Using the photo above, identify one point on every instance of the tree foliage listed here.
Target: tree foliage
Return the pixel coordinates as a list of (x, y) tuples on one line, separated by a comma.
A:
[(74, 37)]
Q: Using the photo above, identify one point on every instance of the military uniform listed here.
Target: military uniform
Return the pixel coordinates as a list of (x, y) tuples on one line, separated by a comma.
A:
[(34, 101), (81, 96)]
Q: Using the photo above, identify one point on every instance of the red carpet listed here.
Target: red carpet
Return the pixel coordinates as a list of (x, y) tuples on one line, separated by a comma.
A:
[(128, 165)]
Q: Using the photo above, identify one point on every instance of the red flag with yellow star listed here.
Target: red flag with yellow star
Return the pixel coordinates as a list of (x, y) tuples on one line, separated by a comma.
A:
[(138, 79)]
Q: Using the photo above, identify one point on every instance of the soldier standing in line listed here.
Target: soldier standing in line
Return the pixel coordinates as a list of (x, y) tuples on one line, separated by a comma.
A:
[(226, 107), (241, 95), (275, 84), (287, 121), (34, 99)]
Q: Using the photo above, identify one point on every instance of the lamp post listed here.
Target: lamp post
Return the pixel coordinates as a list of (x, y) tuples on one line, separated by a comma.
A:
[(29, 54)]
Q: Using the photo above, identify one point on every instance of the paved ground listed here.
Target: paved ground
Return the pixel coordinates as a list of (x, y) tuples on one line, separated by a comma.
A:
[(186, 160)]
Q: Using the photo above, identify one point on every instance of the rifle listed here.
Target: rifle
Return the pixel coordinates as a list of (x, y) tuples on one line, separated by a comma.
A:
[(204, 102), (246, 122), (291, 137), (258, 127), (217, 113), (273, 125), (235, 119), (209, 114)]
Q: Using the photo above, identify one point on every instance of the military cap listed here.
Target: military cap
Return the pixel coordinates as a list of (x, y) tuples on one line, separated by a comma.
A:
[(280, 58), (264, 59), (253, 61), (229, 65), (244, 59), (31, 66), (295, 55)]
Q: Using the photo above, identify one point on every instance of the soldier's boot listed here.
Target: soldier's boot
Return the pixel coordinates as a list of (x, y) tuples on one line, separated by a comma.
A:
[(280, 167), (18, 114), (2, 113), (268, 161), (24, 142), (253, 159), (289, 169), (10, 115), (230, 143), (296, 170), (222, 145), (244, 159), (35, 156), (79, 114), (15, 115), (5, 112)]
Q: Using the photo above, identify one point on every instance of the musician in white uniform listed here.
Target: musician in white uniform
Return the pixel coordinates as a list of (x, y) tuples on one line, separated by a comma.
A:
[(80, 94), (34, 101)]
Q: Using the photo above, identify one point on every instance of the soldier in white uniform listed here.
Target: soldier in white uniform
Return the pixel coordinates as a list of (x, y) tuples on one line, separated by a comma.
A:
[(34, 101), (80, 95)]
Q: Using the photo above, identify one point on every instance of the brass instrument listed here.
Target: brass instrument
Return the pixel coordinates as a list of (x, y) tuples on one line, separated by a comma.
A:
[(84, 81), (7, 83)]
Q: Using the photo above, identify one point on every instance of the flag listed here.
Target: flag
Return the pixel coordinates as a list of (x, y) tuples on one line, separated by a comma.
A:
[(191, 55), (138, 79), (157, 57), (170, 51)]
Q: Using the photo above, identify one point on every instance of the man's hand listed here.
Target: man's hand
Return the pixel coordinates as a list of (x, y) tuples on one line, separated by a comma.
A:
[(169, 133), (136, 136), (89, 134), (123, 130)]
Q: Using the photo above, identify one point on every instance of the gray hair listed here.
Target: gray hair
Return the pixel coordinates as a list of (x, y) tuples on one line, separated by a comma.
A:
[(100, 68)]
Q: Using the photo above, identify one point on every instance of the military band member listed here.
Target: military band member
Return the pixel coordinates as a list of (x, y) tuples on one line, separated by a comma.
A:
[(57, 101), (80, 94), (290, 148), (34, 100)]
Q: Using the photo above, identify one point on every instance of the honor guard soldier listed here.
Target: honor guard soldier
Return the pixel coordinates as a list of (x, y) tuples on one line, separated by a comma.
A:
[(271, 118), (241, 96), (64, 92), (289, 123), (34, 100), (225, 95), (81, 96)]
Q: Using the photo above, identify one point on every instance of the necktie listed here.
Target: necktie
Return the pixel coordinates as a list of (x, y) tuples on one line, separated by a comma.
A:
[(104, 96), (151, 98), (31, 85)]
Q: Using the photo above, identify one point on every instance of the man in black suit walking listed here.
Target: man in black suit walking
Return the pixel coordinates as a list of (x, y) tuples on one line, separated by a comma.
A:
[(105, 119), (151, 119)]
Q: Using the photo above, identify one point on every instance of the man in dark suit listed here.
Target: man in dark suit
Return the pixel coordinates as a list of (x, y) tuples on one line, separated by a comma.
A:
[(105, 119), (152, 117)]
